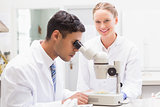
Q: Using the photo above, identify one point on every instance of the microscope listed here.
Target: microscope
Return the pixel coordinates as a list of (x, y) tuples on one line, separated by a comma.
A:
[(102, 70)]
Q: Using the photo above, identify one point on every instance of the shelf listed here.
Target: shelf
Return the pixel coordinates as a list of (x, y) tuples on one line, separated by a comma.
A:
[(150, 78)]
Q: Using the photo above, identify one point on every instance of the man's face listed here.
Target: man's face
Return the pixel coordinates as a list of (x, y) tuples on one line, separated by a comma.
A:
[(65, 49)]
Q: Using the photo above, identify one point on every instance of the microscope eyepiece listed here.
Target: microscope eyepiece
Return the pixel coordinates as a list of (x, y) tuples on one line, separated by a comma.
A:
[(77, 44)]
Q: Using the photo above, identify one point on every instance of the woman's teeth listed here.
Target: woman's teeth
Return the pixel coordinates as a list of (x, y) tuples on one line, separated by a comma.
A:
[(104, 31)]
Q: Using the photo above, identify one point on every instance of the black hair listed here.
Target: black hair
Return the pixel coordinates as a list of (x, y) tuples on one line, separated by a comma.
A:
[(65, 23)]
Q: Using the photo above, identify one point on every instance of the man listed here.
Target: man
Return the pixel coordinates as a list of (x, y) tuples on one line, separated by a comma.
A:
[(27, 81)]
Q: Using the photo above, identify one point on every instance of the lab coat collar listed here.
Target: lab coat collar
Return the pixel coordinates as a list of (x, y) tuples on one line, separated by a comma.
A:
[(115, 43), (41, 56)]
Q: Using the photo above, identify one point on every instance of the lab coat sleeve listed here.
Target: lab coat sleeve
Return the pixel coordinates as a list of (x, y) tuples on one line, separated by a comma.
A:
[(50, 104), (67, 93), (12, 85), (132, 77), (83, 74)]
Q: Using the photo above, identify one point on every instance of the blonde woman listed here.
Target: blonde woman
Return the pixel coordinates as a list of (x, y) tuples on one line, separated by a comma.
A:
[(105, 18)]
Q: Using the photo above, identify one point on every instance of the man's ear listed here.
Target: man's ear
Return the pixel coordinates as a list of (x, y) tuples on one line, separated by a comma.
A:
[(55, 35)]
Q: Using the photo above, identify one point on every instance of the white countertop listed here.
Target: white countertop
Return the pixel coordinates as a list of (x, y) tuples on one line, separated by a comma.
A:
[(140, 103), (150, 78)]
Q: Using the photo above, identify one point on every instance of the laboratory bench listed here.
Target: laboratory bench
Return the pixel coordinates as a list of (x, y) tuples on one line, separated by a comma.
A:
[(151, 102)]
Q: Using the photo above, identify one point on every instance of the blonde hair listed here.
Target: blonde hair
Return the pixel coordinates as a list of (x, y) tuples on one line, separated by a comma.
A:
[(106, 6)]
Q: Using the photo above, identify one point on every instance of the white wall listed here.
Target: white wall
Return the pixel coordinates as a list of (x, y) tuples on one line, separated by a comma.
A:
[(142, 27)]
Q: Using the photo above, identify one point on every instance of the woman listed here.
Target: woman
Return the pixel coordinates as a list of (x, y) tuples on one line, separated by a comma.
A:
[(105, 18)]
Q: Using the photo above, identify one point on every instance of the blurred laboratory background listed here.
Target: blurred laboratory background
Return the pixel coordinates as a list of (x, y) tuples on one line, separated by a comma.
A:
[(22, 21)]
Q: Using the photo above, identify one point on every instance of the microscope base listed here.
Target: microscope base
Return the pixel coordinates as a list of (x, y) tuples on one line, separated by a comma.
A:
[(105, 99)]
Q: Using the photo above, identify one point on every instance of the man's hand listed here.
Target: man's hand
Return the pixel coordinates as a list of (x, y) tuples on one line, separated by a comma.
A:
[(82, 98)]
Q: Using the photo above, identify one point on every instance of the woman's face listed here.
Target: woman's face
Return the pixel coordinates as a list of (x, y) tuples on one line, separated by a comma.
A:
[(105, 22)]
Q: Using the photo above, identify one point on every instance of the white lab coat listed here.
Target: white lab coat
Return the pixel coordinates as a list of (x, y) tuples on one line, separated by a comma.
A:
[(121, 50), (26, 81)]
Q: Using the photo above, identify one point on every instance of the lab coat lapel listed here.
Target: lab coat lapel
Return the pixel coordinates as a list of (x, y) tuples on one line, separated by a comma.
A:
[(60, 68), (48, 74), (44, 63), (42, 59)]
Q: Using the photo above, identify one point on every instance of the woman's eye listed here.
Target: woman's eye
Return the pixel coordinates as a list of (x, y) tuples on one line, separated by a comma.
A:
[(98, 22), (106, 21)]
